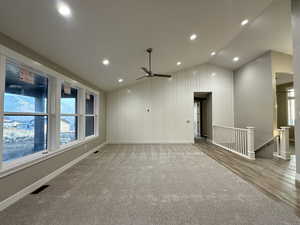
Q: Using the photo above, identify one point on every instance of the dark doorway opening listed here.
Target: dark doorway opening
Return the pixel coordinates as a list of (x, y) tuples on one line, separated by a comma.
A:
[(202, 115)]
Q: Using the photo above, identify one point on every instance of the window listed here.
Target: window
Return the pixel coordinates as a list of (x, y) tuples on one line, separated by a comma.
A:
[(25, 124), (31, 93), (69, 116), (90, 115), (291, 107)]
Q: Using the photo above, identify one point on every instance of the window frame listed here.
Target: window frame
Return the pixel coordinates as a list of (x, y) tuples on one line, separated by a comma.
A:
[(55, 79), (289, 98), (46, 114), (95, 114), (76, 115)]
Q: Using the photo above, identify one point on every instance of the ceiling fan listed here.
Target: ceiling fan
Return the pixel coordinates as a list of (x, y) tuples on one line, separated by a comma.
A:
[(149, 73)]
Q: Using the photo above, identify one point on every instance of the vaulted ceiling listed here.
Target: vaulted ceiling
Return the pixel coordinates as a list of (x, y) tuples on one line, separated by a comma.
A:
[(121, 30)]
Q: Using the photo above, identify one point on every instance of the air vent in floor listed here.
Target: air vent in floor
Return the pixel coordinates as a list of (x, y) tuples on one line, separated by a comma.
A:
[(39, 190)]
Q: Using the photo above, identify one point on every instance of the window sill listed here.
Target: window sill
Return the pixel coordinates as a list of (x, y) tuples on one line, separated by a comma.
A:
[(16, 165)]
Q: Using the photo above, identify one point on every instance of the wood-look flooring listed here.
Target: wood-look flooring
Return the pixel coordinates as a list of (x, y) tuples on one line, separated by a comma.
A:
[(275, 177)]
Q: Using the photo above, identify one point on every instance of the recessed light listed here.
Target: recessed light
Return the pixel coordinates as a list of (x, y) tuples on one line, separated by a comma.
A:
[(178, 63), (244, 22), (193, 37), (213, 74), (105, 62), (235, 59), (64, 9), (120, 80), (213, 53)]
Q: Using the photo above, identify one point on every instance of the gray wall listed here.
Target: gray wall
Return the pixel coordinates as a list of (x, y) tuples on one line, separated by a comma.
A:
[(15, 182), (296, 59), (253, 94)]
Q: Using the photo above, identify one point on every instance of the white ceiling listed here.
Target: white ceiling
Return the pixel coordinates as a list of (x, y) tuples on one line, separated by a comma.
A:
[(122, 30), (272, 30)]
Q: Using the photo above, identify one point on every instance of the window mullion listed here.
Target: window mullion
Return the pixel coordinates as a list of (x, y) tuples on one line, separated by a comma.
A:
[(2, 90), (81, 111), (96, 112), (54, 118)]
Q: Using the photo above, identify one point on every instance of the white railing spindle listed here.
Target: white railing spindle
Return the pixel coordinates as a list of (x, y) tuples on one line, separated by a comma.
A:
[(237, 140)]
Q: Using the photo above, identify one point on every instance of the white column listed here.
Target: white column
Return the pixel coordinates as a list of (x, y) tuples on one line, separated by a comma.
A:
[(285, 143), (250, 143), (296, 67), (277, 142)]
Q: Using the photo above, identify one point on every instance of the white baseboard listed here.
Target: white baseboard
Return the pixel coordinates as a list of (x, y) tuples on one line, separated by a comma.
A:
[(146, 143), (21, 194)]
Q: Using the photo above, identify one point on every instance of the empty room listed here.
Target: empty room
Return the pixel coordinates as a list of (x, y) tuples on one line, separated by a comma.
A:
[(149, 112)]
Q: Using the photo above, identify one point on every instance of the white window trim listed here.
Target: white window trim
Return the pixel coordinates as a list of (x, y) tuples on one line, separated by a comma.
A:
[(95, 115), (54, 93), (11, 167), (47, 71), (2, 90)]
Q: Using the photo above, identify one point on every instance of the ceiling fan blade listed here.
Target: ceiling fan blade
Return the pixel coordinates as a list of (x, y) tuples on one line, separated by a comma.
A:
[(145, 70), (162, 75), (146, 76)]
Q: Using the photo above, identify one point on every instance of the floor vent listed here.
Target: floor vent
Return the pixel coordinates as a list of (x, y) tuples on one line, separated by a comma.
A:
[(96, 152), (40, 189)]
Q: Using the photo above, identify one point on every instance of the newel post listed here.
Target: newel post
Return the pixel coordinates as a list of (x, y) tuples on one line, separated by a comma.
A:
[(285, 143), (250, 142)]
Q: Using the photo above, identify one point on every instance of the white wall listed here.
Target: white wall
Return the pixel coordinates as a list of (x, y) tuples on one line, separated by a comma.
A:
[(171, 105), (296, 66), (253, 92)]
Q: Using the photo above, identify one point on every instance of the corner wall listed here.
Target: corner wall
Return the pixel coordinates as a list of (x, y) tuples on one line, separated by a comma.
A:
[(253, 94), (15, 182), (170, 104), (296, 66)]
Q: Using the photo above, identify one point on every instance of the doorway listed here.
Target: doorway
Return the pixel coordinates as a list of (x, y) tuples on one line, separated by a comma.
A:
[(202, 116), (285, 104)]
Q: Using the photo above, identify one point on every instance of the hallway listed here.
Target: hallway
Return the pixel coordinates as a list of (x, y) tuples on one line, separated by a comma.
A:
[(148, 184)]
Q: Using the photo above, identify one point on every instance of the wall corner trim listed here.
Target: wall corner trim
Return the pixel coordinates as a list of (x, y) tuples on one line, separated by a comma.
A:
[(27, 190)]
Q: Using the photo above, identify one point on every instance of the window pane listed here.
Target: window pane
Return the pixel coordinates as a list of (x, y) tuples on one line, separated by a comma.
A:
[(68, 100), (25, 90), (89, 105), (23, 135), (68, 129), (89, 126), (291, 112)]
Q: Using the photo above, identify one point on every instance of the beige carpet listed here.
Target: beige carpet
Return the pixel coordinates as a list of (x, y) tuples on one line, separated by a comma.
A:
[(149, 184)]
